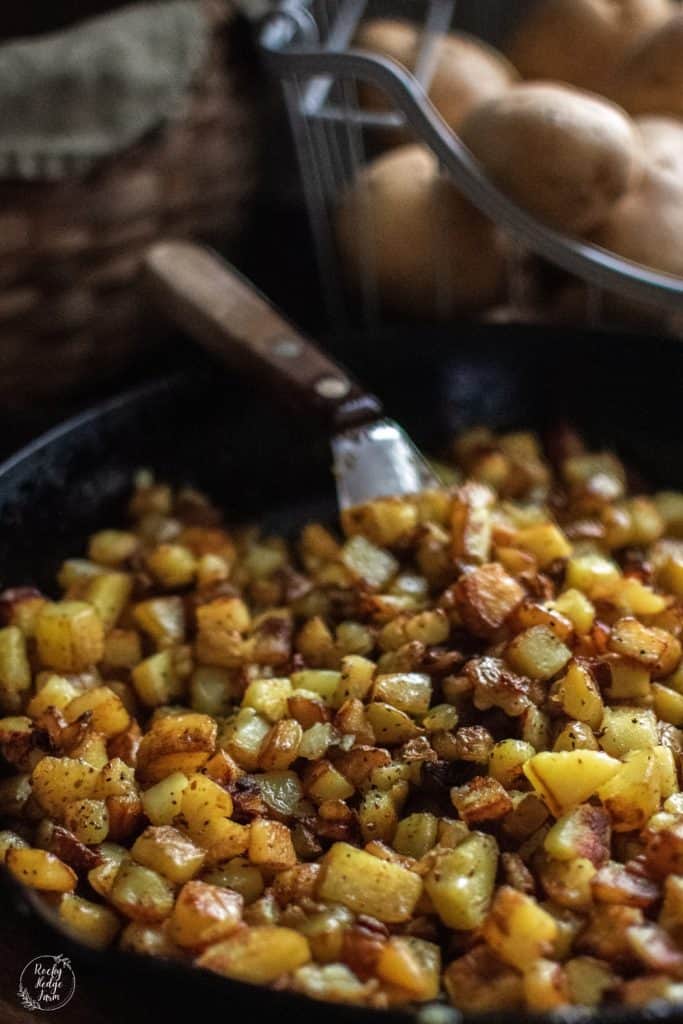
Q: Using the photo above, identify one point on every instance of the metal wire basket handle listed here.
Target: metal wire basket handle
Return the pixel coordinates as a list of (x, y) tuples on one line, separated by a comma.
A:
[(284, 52)]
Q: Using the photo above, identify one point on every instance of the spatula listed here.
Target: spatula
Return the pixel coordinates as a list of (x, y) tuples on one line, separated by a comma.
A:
[(199, 292)]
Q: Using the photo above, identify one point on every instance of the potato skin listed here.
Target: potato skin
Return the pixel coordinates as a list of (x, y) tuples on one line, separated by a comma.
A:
[(419, 230), (581, 41), (647, 224), (650, 78), (663, 143), (565, 155), (467, 71)]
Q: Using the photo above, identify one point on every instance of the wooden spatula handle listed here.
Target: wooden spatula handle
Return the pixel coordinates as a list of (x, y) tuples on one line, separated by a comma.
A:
[(201, 293)]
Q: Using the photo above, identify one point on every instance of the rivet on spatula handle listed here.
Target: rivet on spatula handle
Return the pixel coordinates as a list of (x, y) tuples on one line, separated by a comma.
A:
[(232, 319)]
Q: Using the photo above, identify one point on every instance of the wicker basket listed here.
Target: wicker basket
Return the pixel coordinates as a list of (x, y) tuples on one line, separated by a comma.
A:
[(70, 317)]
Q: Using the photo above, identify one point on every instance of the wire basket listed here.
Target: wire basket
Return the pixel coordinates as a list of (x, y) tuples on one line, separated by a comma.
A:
[(308, 44)]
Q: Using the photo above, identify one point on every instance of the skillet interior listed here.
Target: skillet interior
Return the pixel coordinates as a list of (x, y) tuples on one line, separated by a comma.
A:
[(218, 433)]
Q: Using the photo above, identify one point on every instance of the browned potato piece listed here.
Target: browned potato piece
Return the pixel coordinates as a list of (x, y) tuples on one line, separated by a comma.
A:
[(420, 229), (581, 41), (655, 648), (564, 155), (204, 914), (367, 885), (259, 955), (176, 743), (485, 597), (40, 870)]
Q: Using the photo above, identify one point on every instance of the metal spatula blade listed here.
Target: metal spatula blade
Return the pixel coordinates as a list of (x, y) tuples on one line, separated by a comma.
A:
[(377, 460), (198, 291)]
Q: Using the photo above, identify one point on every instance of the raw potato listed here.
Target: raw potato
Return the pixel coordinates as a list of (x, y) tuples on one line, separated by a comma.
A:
[(650, 78), (663, 142), (566, 156), (467, 71), (431, 251), (581, 41), (646, 225)]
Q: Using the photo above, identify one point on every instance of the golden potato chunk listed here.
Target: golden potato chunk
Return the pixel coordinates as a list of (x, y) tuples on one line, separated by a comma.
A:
[(69, 635), (204, 914), (367, 885), (260, 954), (40, 870)]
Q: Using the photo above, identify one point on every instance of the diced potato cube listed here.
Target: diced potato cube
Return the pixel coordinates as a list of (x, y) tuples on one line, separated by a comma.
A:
[(356, 679), (589, 980), (204, 914), (633, 794), (517, 929), (367, 562), (461, 883), (108, 593), (537, 653), (668, 704), (576, 606), (163, 801), (408, 691), (203, 798), (658, 650), (576, 736), (237, 874), (481, 799), (324, 683), (507, 759), (390, 725), (176, 743), (140, 893), (40, 870), (15, 671), (270, 845), (168, 852), (259, 954), (566, 778), (545, 986), (56, 781), (368, 885), (378, 816), (111, 547), (471, 522), (588, 572), (156, 681), (122, 649), (627, 728), (411, 964), (568, 882), (280, 746), (90, 922), (485, 597), (102, 876), (244, 737), (630, 596), (70, 636), (222, 839), (581, 832), (162, 618), (324, 782), (387, 522), (173, 565), (629, 680), (268, 697), (580, 696), (88, 820), (416, 834), (56, 692), (212, 690), (108, 715), (668, 772), (545, 541)]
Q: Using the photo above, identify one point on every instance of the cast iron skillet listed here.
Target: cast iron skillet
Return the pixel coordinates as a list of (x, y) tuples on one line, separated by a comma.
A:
[(205, 428)]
